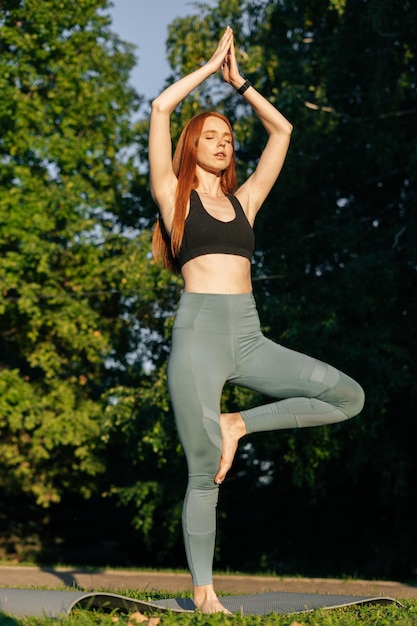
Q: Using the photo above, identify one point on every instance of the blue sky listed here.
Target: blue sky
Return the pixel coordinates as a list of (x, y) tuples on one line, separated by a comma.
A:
[(145, 23)]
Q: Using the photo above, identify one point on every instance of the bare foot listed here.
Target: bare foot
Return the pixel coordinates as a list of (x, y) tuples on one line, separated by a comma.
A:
[(206, 600), (233, 428)]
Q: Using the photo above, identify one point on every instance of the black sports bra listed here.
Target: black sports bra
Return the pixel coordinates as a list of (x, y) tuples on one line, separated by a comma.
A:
[(204, 234)]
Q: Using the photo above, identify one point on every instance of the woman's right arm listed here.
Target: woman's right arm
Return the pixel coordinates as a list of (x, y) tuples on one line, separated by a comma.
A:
[(163, 181)]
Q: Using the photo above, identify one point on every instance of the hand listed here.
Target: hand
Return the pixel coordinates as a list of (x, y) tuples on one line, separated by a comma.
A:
[(230, 69), (222, 50)]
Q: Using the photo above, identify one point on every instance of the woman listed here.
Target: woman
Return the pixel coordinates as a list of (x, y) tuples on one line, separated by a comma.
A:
[(205, 231)]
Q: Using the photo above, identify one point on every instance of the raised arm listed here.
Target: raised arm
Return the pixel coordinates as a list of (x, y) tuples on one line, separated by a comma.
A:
[(253, 192), (162, 178)]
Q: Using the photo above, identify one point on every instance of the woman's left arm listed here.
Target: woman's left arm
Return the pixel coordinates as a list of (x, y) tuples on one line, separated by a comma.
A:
[(255, 189)]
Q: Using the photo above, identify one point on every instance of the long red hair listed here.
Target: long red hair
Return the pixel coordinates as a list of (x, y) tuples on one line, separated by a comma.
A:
[(165, 248)]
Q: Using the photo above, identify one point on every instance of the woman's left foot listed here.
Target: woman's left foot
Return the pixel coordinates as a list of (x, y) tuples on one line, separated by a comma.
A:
[(207, 601), (233, 428)]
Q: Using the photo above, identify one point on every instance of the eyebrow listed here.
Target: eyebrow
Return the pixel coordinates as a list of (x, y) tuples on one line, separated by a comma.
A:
[(206, 132)]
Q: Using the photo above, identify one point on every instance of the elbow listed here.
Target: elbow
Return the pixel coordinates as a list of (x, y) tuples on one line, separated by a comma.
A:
[(283, 130), (286, 132), (155, 104), (289, 128), (158, 106)]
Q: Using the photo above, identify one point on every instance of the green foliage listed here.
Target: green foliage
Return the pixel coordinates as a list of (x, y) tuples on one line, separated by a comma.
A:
[(150, 479), (81, 324), (49, 442), (64, 115), (86, 315)]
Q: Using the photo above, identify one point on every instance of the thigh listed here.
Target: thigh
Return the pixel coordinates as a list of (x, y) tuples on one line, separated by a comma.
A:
[(197, 371), (279, 372)]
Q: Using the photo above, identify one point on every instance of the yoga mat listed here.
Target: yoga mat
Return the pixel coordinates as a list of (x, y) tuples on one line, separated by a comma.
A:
[(38, 603)]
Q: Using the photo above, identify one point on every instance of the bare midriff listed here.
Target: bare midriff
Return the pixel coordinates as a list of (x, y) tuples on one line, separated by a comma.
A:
[(217, 273)]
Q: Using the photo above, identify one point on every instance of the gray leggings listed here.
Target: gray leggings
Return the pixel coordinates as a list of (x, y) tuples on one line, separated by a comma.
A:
[(217, 339)]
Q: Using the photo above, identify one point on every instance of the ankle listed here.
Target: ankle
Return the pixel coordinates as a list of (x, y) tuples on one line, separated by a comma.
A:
[(235, 421), (202, 592)]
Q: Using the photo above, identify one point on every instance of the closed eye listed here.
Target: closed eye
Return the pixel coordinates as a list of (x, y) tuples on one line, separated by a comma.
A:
[(227, 138)]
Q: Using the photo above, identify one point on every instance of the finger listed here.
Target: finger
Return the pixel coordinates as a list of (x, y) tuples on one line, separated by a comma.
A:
[(227, 35)]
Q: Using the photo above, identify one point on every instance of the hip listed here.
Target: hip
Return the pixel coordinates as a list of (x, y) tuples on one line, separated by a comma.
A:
[(217, 313)]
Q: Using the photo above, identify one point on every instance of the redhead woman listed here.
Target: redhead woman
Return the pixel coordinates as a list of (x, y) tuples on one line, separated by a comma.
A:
[(205, 231)]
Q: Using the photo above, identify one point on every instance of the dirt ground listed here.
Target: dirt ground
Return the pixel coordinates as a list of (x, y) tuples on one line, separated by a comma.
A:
[(118, 581)]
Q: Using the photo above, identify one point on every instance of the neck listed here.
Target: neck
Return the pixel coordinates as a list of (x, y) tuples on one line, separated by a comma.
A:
[(209, 183), (211, 191), (217, 194)]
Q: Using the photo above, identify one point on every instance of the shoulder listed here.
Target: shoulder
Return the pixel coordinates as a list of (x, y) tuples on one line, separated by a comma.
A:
[(194, 198), (235, 201)]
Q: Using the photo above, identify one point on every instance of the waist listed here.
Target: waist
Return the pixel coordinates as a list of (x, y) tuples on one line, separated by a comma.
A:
[(217, 274)]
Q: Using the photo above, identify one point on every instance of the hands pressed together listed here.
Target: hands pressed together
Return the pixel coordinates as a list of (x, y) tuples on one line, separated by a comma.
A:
[(224, 58)]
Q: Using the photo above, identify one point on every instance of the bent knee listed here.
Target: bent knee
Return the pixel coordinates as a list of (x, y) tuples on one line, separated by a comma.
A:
[(355, 400), (347, 396)]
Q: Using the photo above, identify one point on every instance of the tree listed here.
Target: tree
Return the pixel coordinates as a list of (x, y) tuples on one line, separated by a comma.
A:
[(348, 261), (77, 294)]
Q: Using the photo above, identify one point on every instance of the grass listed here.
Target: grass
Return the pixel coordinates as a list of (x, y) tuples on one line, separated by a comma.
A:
[(388, 615)]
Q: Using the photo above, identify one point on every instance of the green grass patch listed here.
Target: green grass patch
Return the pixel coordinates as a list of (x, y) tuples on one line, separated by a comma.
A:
[(388, 615)]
